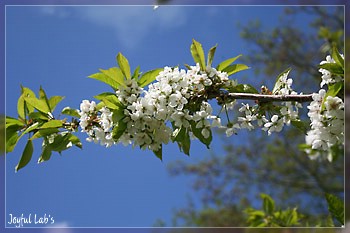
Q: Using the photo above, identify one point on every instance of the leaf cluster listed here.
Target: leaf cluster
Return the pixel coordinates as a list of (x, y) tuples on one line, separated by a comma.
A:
[(36, 120)]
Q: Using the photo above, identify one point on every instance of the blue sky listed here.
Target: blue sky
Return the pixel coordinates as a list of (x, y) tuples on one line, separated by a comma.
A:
[(57, 47)]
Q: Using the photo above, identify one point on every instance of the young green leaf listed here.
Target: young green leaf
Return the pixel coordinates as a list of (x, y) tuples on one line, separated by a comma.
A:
[(198, 54), (51, 124), (268, 204), (38, 116), (279, 83), (11, 137), (124, 65), (159, 153), (118, 130), (227, 62), (45, 154), (198, 133), (106, 79), (335, 207), (337, 57), (301, 125), (9, 121), (243, 88), (44, 132), (333, 90), (22, 107), (53, 101), (232, 69), (334, 68), (115, 74), (43, 97), (183, 140), (38, 104), (26, 155), (136, 73), (110, 100), (149, 77), (70, 112), (211, 54)]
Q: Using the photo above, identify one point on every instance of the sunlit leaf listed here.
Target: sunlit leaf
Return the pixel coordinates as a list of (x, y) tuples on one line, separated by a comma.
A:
[(211, 54), (106, 79), (115, 74), (334, 68), (51, 124), (54, 100), (11, 137), (38, 104), (70, 112), (198, 54), (149, 77), (44, 132), (227, 62), (124, 65), (136, 73), (26, 155), (232, 69), (9, 121)]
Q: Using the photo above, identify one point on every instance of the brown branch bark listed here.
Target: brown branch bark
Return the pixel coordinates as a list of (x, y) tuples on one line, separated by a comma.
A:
[(268, 98)]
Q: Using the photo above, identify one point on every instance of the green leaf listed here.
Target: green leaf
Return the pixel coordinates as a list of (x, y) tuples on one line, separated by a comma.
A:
[(42, 96), (11, 137), (38, 104), (149, 77), (227, 62), (337, 58), (70, 112), (9, 121), (159, 153), (106, 79), (198, 133), (333, 90), (38, 116), (54, 100), (51, 124), (198, 54), (232, 69), (45, 154), (110, 100), (268, 204), (118, 130), (301, 125), (22, 107), (243, 88), (115, 74), (211, 54), (118, 114), (279, 83), (136, 73), (183, 140), (44, 132), (335, 207), (26, 155), (334, 68), (124, 65)]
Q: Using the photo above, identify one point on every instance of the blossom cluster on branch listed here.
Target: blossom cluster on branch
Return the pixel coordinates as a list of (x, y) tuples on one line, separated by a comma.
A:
[(150, 109)]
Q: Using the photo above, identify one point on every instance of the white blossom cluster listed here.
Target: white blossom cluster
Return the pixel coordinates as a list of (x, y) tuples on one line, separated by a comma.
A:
[(327, 127), (327, 122), (97, 124), (147, 111), (327, 76), (287, 112)]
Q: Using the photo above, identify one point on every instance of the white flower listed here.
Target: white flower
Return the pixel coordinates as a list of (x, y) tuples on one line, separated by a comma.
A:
[(276, 125)]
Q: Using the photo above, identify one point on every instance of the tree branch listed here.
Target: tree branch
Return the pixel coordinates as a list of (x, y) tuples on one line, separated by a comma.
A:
[(267, 98)]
